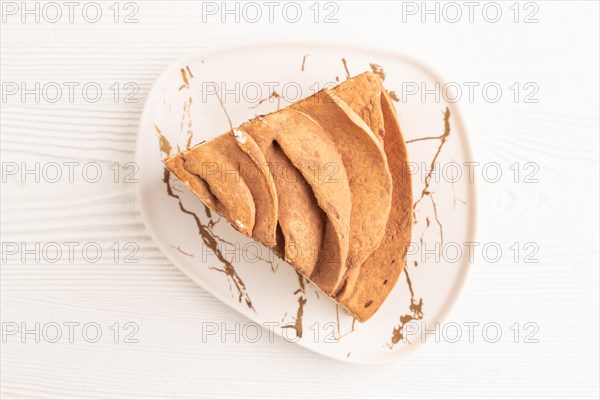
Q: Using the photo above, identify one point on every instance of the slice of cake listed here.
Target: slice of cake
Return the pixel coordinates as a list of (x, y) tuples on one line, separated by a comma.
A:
[(323, 182)]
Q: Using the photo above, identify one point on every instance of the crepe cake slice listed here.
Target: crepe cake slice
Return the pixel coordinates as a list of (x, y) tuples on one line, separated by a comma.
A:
[(299, 139), (381, 270)]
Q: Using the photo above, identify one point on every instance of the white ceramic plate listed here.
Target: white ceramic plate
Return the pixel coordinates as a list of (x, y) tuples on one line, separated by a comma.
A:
[(183, 109)]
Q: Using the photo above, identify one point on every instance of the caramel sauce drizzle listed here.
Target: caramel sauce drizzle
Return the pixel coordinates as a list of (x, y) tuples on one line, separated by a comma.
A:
[(184, 76), (209, 239), (416, 308), (181, 251), (304, 62), (338, 335), (346, 68), (186, 122), (426, 192), (297, 325), (416, 313), (378, 70), (273, 95)]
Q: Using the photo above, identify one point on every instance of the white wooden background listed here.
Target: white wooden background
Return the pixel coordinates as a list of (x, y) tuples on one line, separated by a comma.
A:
[(560, 213)]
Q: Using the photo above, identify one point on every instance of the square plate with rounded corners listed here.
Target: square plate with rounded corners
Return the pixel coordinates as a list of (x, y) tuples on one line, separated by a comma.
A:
[(192, 101)]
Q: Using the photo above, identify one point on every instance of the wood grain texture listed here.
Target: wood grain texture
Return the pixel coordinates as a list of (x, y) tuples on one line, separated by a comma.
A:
[(560, 213)]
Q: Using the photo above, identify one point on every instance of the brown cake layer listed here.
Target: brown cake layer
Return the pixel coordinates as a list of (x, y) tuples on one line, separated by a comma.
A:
[(323, 182)]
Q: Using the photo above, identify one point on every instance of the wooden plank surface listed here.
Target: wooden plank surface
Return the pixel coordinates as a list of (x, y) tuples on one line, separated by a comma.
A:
[(559, 133)]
